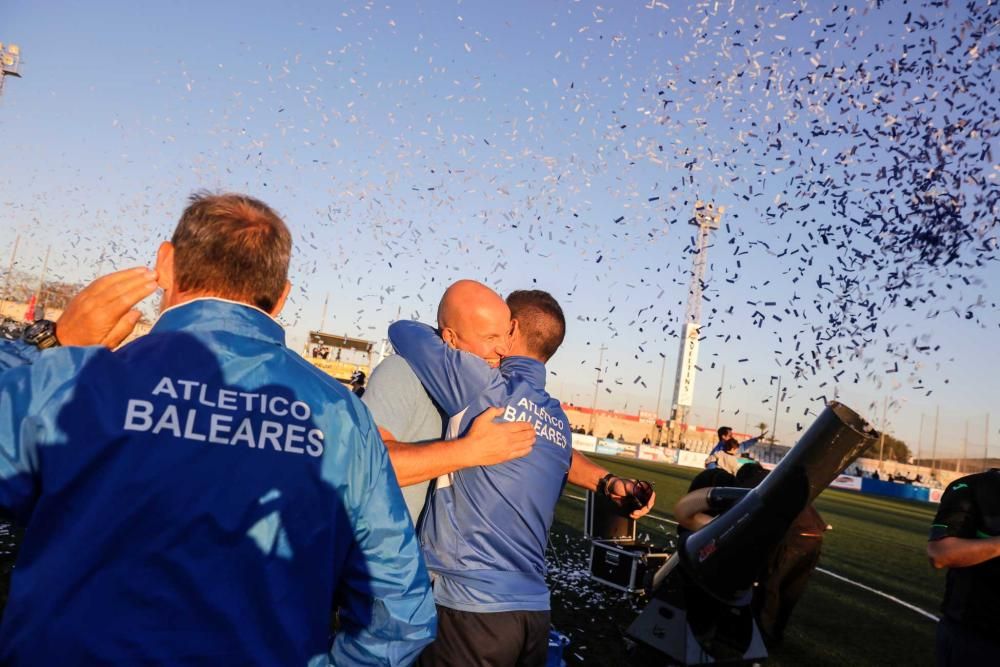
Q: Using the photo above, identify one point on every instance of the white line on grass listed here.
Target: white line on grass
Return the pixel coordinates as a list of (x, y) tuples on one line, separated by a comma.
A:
[(876, 591)]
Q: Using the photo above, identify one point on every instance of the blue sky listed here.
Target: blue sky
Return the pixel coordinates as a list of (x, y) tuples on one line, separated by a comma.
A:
[(558, 146)]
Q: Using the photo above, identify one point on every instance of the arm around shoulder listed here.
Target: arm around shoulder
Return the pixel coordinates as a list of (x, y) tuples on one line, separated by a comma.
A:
[(485, 443), (451, 377), (414, 463)]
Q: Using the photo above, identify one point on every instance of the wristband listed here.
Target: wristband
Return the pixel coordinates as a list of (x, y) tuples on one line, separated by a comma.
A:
[(603, 483)]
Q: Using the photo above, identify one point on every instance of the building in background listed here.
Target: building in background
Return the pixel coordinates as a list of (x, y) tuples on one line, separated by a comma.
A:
[(339, 356)]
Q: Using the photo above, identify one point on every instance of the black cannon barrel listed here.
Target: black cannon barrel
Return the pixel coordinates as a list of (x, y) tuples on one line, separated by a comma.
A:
[(724, 556)]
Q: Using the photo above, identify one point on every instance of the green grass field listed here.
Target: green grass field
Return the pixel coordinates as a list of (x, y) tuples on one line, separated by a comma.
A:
[(877, 542)]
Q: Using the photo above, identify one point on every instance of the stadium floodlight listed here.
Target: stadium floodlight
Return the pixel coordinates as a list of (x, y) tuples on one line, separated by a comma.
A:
[(707, 217), (10, 62), (706, 214)]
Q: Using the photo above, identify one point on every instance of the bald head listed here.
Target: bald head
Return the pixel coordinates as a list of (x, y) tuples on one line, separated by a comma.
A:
[(474, 318)]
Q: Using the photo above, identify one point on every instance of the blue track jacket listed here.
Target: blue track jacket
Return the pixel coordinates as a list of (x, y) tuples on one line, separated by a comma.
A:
[(730, 462), (744, 446), (485, 529), (202, 495)]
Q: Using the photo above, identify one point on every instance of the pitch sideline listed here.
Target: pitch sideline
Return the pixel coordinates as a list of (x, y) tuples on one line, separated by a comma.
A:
[(840, 577)]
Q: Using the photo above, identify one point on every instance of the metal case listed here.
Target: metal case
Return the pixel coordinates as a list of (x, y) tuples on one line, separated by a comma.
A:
[(603, 520), (625, 565)]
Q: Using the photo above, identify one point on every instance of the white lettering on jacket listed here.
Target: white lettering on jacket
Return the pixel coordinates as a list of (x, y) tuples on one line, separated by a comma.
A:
[(547, 426), (185, 417)]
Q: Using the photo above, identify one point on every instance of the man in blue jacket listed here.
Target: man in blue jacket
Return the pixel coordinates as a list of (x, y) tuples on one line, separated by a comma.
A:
[(485, 529), (727, 452), (203, 495)]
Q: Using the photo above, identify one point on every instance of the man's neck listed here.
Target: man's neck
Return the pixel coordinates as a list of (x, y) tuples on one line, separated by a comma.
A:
[(180, 298), (526, 356), (190, 297), (517, 351)]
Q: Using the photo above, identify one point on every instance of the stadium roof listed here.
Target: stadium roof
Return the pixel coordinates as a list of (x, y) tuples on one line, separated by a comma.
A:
[(344, 342)]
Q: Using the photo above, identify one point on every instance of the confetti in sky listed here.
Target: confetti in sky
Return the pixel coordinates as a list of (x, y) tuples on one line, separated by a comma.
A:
[(559, 147)]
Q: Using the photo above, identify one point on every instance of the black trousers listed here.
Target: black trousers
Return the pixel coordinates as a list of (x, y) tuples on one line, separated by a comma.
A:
[(501, 639), (958, 646)]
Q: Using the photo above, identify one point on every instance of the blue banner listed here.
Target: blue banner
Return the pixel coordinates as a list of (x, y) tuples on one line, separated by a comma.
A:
[(878, 487)]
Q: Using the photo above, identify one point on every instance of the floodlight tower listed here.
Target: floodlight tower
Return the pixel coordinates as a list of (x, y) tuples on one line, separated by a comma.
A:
[(10, 62), (706, 218)]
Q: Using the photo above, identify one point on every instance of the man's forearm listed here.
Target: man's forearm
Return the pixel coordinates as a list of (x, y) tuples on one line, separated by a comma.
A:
[(416, 463), (691, 510), (961, 552), (585, 473), (485, 443)]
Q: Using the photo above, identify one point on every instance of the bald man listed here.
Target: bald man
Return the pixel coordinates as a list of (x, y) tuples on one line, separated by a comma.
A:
[(475, 319), (471, 318), (485, 529)]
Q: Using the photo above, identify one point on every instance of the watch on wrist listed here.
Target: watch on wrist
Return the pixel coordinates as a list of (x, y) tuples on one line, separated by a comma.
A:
[(41, 334), (602, 485)]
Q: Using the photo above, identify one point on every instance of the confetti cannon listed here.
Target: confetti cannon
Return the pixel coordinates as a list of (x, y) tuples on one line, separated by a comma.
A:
[(699, 612)]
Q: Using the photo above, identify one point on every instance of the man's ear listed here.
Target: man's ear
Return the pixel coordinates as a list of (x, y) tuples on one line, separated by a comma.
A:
[(281, 299), (449, 336), (514, 336), (165, 266)]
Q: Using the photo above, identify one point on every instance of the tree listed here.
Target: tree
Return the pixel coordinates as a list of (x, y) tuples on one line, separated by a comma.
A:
[(893, 449)]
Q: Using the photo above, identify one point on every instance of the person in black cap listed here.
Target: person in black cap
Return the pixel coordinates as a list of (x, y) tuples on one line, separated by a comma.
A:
[(965, 538)]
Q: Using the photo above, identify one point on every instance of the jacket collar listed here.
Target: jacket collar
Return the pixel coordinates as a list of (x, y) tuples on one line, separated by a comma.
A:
[(530, 369), (212, 314)]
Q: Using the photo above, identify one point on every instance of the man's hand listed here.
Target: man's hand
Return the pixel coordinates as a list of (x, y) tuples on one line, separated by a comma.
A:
[(626, 492), (103, 312), (488, 442), (588, 475), (691, 510)]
